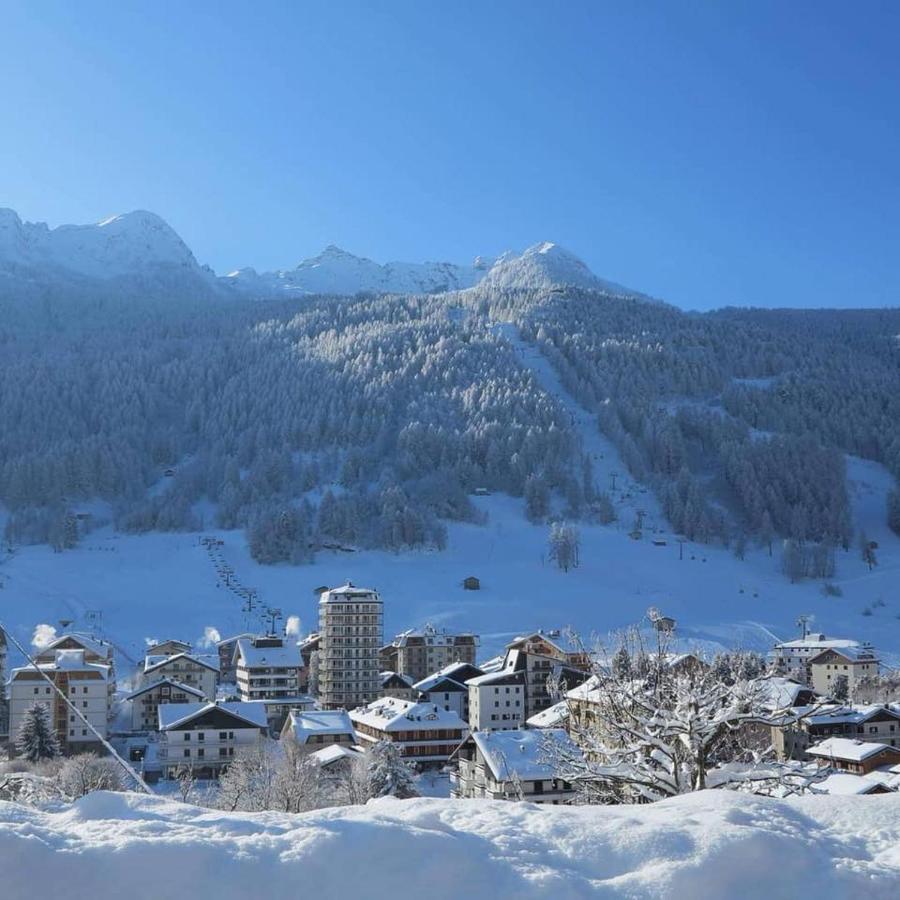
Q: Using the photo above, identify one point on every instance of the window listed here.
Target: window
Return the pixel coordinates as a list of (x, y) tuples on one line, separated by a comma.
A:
[(223, 735), (187, 735), (187, 751), (201, 753), (201, 735)]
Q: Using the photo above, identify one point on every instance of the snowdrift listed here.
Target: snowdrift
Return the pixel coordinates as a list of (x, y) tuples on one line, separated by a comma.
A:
[(705, 845)]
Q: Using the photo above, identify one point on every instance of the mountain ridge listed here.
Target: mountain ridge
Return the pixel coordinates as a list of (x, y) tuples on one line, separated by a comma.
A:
[(141, 250)]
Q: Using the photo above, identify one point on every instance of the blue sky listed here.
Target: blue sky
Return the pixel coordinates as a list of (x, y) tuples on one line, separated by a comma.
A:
[(706, 153)]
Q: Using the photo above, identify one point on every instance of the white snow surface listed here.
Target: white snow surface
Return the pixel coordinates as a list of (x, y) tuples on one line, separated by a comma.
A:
[(709, 845)]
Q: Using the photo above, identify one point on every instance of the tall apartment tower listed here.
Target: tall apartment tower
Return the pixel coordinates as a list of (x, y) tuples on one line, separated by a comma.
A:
[(351, 629)]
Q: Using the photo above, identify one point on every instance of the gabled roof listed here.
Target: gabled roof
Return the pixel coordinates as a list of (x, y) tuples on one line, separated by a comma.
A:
[(94, 645), (395, 679), (846, 784), (851, 654), (284, 657), (305, 723), (174, 715), (504, 676), (521, 753), (151, 663), (162, 681), (333, 753), (435, 684), (848, 749), (459, 672), (813, 641), (552, 717), (392, 714), (68, 660)]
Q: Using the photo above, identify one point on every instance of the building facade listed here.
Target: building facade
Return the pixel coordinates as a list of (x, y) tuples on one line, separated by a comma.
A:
[(146, 701), (791, 658), (351, 633), (267, 668), (424, 733), (201, 674), (204, 737), (497, 701), (510, 765), (419, 653), (829, 666), (84, 684)]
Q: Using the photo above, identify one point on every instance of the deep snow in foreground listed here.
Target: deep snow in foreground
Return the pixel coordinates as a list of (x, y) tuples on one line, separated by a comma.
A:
[(706, 845)]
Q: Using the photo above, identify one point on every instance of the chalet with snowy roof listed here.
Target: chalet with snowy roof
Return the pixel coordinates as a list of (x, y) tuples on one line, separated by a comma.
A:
[(424, 733), (802, 726), (393, 684), (830, 665), (146, 700), (316, 728), (204, 737), (512, 765), (417, 653), (85, 684), (857, 757), (267, 668), (791, 658), (447, 688), (335, 759), (199, 672)]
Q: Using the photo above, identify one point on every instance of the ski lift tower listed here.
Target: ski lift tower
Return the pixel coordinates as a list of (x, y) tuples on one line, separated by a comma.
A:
[(273, 614)]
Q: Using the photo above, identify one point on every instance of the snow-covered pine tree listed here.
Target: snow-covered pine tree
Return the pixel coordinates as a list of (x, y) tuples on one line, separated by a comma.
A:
[(36, 739), (389, 775)]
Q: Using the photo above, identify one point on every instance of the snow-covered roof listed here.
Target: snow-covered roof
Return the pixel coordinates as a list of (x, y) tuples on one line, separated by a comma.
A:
[(503, 676), (172, 715), (235, 638), (94, 645), (522, 753), (305, 723), (817, 641), (847, 749), (156, 661), (392, 714), (68, 660), (587, 690), (169, 681), (551, 717), (837, 713), (846, 784), (851, 654), (334, 753), (783, 693), (454, 672), (390, 676), (347, 591), (492, 664), (284, 657), (437, 637)]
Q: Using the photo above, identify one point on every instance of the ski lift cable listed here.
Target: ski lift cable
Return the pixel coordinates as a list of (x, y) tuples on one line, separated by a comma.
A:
[(131, 771)]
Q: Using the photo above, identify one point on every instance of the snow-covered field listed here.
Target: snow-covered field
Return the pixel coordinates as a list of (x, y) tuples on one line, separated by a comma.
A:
[(709, 845)]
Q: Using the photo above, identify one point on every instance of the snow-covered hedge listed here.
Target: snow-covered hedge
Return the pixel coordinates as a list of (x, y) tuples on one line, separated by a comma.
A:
[(708, 844)]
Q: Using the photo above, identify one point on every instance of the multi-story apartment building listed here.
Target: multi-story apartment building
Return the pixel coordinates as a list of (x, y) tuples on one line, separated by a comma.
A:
[(424, 733), (792, 658), (267, 668), (801, 727), (497, 700), (96, 650), (511, 765), (168, 647), (447, 688), (309, 653), (145, 701), (827, 667), (351, 634), (84, 684), (225, 648), (419, 653), (185, 668), (204, 737)]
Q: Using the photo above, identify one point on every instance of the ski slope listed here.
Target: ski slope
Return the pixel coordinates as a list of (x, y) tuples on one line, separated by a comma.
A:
[(167, 585)]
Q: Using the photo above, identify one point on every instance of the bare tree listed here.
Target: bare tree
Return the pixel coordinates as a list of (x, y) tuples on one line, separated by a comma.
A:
[(661, 726)]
